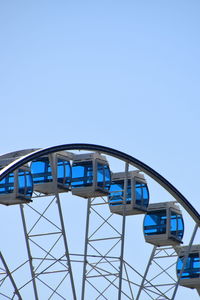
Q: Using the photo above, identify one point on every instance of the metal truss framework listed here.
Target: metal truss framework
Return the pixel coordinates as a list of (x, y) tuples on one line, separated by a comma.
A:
[(105, 270), (162, 282), (160, 270), (47, 248), (104, 249)]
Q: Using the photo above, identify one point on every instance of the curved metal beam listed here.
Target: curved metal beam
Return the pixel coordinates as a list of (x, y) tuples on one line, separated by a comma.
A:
[(115, 153)]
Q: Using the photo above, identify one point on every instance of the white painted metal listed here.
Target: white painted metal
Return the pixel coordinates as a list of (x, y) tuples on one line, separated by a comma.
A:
[(50, 188), (14, 197)]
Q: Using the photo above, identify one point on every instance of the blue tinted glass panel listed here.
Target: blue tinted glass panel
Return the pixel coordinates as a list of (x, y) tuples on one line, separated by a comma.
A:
[(155, 223), (7, 184), (107, 174), (117, 192), (29, 184), (25, 183), (141, 194), (41, 170), (63, 173), (192, 267), (100, 175), (21, 182), (103, 176), (176, 225), (107, 177), (60, 170), (82, 174)]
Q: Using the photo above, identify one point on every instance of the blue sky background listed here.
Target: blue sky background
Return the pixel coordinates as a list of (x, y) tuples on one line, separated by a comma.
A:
[(124, 74)]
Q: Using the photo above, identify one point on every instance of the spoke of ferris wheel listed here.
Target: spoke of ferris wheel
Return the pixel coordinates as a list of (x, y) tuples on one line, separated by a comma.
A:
[(29, 237), (8, 273)]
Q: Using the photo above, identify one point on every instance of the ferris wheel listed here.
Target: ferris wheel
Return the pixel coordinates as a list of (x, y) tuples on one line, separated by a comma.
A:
[(85, 226)]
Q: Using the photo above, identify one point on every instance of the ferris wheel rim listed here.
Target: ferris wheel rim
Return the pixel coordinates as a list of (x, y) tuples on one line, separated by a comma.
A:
[(36, 153)]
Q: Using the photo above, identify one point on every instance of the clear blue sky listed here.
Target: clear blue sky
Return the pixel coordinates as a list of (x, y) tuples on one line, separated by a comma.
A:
[(123, 74)]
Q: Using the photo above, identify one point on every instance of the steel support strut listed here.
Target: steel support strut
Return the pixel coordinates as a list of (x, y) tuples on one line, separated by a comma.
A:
[(66, 247), (123, 232), (29, 253), (8, 273), (86, 248)]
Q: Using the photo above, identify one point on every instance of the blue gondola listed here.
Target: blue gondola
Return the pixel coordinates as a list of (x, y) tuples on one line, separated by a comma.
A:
[(163, 224), (90, 175), (137, 193), (191, 272), (52, 173), (17, 187)]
